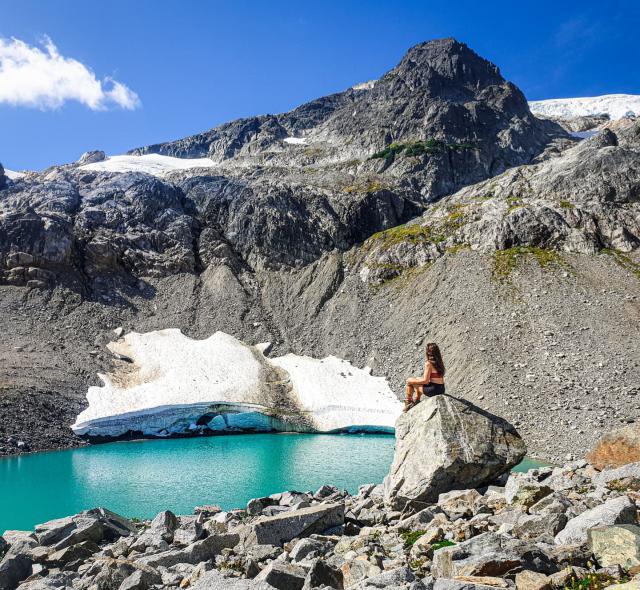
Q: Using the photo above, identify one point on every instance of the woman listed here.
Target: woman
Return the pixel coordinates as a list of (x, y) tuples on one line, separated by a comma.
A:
[(431, 383)]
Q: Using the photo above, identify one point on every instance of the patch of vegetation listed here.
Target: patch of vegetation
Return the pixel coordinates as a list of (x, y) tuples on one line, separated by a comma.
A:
[(593, 581), (419, 565), (413, 234), (567, 204), (372, 186), (231, 565), (627, 484), (623, 260), (419, 148), (410, 537), (442, 544), (313, 152), (506, 261), (453, 250)]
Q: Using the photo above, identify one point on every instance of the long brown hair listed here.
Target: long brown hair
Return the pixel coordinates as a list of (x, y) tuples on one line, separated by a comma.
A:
[(434, 357)]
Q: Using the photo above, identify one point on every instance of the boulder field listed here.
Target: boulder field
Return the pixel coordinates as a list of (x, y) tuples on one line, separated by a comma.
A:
[(475, 529)]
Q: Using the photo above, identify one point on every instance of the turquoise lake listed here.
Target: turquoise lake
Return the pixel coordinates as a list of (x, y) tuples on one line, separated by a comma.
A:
[(142, 478)]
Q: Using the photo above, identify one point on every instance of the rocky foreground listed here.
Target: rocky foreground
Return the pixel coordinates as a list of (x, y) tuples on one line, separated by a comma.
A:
[(553, 527)]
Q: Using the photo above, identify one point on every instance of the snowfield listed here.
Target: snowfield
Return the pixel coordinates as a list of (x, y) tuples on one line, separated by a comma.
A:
[(177, 385), (295, 140), (614, 105), (153, 164), (12, 175)]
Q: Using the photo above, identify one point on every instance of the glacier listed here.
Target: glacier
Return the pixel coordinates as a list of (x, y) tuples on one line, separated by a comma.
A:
[(616, 106), (167, 384)]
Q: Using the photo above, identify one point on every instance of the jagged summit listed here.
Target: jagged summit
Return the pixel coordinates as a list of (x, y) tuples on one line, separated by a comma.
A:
[(440, 90)]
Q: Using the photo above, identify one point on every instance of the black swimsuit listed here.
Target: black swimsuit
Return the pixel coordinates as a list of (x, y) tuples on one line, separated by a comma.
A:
[(433, 389)]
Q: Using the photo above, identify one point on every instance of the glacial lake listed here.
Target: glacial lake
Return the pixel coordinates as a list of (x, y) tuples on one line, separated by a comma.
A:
[(141, 478)]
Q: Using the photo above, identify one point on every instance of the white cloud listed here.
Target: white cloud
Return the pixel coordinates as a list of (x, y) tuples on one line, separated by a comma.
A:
[(42, 78)]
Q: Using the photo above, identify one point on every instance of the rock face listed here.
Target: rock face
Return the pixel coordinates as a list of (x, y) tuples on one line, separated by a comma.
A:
[(444, 444), (170, 384), (617, 448), (540, 206)]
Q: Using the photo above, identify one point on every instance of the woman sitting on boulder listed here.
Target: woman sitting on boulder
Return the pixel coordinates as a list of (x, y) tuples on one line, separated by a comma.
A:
[(431, 383)]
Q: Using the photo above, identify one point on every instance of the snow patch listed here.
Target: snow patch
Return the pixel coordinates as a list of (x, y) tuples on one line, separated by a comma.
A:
[(584, 134), (11, 174), (177, 385), (616, 106), (154, 164), (295, 140), (365, 85)]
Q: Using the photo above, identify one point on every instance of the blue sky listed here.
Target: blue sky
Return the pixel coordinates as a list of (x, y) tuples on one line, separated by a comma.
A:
[(185, 66)]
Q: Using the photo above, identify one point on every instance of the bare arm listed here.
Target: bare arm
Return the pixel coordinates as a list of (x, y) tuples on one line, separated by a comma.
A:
[(426, 377)]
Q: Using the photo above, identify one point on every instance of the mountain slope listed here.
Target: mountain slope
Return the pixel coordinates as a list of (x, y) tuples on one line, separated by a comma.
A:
[(515, 231)]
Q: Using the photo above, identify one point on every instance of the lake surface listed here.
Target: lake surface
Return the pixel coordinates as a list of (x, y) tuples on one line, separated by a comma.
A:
[(142, 478)]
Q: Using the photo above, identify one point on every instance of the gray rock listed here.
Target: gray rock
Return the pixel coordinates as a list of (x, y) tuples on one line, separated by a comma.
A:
[(617, 545), (448, 584), (92, 525), (283, 576), (552, 504), (444, 444), (488, 554), (257, 505), (141, 580), (195, 553), (276, 530), (308, 549), (79, 552), (539, 527), (189, 529), (91, 157), (214, 580), (322, 575), (13, 569), (19, 541), (459, 503), (524, 489), (396, 578), (619, 510), (629, 470), (326, 491)]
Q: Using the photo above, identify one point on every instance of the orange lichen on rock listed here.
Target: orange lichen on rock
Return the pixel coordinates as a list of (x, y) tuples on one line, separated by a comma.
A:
[(616, 448)]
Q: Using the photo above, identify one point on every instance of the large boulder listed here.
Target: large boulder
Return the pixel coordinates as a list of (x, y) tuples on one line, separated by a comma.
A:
[(276, 530), (616, 545), (488, 554), (619, 510), (92, 525), (616, 448), (444, 444)]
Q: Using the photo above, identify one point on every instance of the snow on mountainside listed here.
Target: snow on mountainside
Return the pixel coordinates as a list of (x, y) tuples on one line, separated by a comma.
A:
[(153, 164), (614, 105), (13, 175)]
